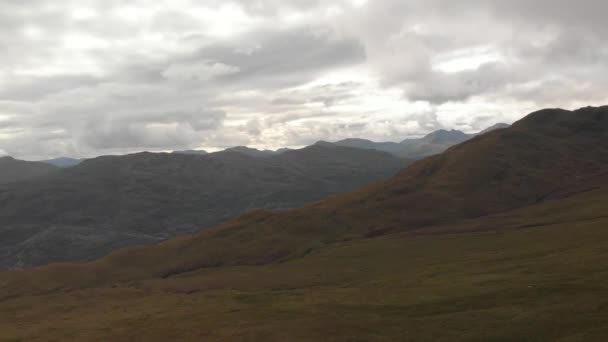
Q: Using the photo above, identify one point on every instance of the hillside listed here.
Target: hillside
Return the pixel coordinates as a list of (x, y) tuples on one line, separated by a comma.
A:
[(13, 170), (86, 211), (492, 173), (252, 152), (499, 238), (415, 148)]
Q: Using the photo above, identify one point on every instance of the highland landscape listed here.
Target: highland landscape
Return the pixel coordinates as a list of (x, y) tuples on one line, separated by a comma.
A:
[(342, 170), (446, 241)]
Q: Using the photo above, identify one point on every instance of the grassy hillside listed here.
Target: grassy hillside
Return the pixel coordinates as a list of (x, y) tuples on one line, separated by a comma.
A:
[(535, 274), (501, 238)]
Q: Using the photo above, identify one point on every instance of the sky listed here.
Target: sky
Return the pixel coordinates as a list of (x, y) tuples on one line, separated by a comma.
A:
[(83, 78)]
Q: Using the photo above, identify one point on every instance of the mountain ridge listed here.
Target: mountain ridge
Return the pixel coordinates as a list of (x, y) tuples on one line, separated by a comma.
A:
[(85, 211), (437, 190), (501, 237), (415, 148)]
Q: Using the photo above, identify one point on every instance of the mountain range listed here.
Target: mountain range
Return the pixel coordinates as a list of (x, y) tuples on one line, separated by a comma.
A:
[(416, 148), (501, 237), (69, 209), (496, 172), (86, 211), (412, 148)]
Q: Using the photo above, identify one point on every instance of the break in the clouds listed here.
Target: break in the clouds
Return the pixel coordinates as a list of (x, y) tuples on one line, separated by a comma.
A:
[(90, 77)]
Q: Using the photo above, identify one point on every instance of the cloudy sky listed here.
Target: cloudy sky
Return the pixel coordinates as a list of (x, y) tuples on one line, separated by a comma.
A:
[(88, 77)]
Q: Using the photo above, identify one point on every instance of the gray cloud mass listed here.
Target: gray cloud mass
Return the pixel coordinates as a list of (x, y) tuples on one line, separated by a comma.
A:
[(90, 77)]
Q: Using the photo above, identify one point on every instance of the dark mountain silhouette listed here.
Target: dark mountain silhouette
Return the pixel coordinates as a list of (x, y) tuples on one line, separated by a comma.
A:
[(192, 152), (83, 212), (13, 170), (253, 152)]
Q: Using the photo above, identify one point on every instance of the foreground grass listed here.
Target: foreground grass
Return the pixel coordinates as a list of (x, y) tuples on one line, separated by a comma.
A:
[(543, 283)]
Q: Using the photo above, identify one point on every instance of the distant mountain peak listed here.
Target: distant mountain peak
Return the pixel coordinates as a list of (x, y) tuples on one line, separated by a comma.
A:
[(443, 136), (63, 162), (254, 152), (192, 152)]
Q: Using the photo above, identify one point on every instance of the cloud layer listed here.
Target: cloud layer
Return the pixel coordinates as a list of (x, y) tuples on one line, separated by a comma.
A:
[(89, 77)]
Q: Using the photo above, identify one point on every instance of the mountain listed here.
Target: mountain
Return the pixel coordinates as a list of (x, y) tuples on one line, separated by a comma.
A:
[(443, 136), (13, 170), (63, 162), (417, 148), (494, 127), (501, 237), (252, 152), (192, 152), (86, 211), (492, 173)]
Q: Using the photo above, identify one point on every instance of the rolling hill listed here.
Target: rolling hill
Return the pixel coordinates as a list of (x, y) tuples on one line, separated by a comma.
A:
[(13, 170), (86, 211), (500, 238)]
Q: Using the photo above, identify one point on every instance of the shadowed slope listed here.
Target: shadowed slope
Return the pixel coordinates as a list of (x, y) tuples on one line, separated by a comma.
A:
[(535, 273), (532, 268), (13, 170), (499, 171), (86, 211)]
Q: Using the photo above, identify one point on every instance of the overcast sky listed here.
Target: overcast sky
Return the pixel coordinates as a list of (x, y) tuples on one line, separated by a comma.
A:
[(88, 77)]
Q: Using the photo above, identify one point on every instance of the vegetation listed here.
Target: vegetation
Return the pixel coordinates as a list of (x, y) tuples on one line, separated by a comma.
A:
[(501, 238), (529, 276), (86, 211)]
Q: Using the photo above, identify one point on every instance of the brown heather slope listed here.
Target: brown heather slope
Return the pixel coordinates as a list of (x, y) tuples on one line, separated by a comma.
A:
[(492, 173), (536, 273)]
